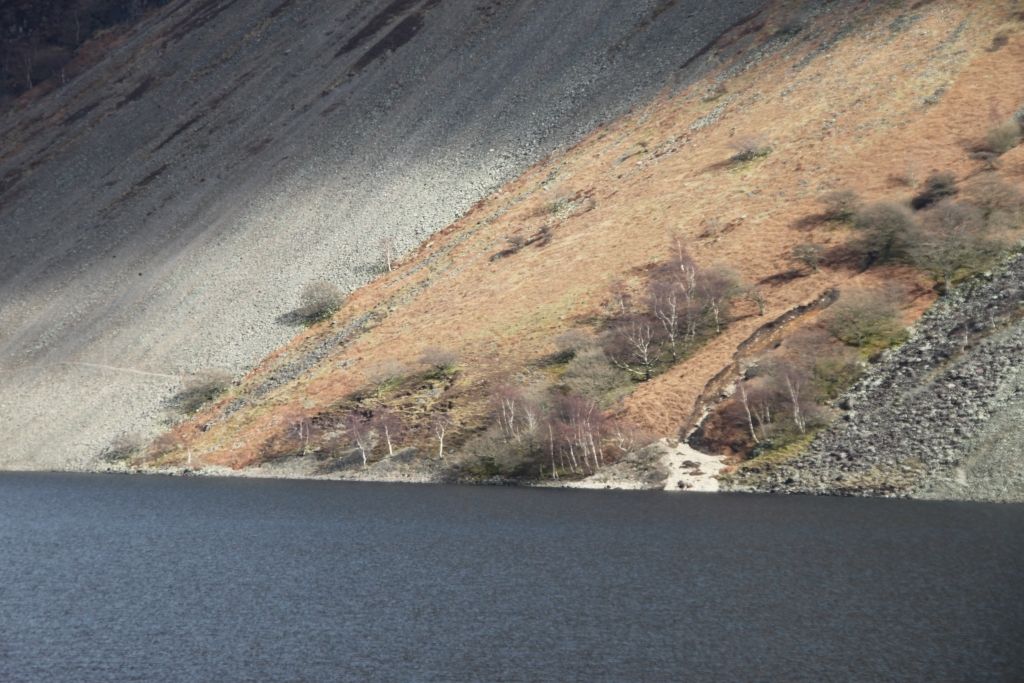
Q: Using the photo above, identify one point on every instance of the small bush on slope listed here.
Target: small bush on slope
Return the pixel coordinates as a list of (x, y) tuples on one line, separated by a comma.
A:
[(1004, 137), (937, 187), (200, 389), (318, 301), (886, 230), (954, 242), (865, 320), (840, 206)]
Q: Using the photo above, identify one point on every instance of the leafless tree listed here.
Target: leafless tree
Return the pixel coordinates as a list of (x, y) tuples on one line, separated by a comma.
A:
[(518, 415), (360, 431), (666, 305), (745, 402), (508, 400), (794, 387), (302, 428), (718, 286), (630, 347), (441, 423), (582, 420), (388, 250), (388, 425)]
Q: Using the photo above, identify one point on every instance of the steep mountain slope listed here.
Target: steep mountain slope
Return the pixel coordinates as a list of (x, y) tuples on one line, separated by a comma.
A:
[(801, 100), (161, 212)]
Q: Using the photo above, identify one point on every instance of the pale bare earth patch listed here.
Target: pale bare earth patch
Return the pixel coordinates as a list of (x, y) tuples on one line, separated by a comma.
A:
[(679, 468)]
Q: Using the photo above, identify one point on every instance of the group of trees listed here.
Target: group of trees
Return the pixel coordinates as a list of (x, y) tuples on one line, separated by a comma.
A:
[(551, 432), (398, 408), (684, 304), (39, 37), (940, 231), (785, 393)]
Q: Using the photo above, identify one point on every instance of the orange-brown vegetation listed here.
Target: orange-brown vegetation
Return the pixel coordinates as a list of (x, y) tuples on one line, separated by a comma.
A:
[(549, 253)]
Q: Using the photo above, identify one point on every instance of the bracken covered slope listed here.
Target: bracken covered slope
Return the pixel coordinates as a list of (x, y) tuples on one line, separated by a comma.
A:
[(871, 97), (160, 213)]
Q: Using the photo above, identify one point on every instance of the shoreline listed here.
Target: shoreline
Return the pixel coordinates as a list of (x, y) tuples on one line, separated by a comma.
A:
[(680, 469), (581, 485)]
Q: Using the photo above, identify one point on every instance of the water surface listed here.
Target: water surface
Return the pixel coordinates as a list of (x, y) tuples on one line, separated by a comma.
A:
[(112, 578)]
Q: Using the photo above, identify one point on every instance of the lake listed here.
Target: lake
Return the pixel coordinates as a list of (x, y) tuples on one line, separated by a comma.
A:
[(118, 578)]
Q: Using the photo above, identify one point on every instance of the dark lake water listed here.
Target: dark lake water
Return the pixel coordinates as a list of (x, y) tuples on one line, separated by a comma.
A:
[(108, 578)]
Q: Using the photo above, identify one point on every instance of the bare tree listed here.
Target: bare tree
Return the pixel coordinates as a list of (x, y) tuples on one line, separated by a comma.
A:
[(508, 399), (583, 422), (718, 287), (666, 305), (360, 431), (630, 348), (388, 250), (794, 387), (388, 424), (441, 423), (745, 402), (302, 428)]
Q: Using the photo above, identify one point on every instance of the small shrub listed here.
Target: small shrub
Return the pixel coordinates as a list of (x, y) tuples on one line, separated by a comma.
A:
[(748, 149), (200, 389), (318, 301), (840, 206), (386, 374), (937, 187), (834, 374), (887, 229), (715, 92), (865, 320), (954, 243), (163, 445), (591, 375), (1004, 137), (124, 447), (441, 361), (1001, 204), (808, 255), (570, 344)]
